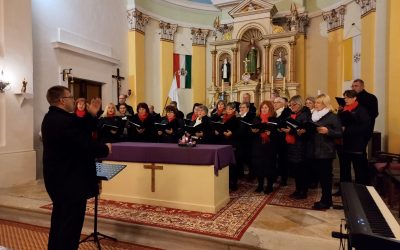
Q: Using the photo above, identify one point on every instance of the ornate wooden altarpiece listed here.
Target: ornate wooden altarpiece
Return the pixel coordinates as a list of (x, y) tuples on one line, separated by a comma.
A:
[(255, 47)]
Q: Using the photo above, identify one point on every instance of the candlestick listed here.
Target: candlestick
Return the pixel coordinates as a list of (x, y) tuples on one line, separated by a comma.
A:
[(272, 83), (222, 87), (318, 92), (284, 83), (231, 88)]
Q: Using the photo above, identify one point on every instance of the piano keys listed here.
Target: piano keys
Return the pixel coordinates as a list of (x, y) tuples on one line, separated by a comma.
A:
[(369, 222)]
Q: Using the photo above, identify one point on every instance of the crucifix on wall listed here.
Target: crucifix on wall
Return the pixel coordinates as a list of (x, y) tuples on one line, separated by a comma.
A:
[(119, 78)]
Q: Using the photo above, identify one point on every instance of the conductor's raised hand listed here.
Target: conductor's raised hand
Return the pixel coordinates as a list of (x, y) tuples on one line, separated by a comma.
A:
[(94, 106)]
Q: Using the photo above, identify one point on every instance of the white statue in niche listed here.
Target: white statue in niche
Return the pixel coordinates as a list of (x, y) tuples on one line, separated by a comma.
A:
[(280, 66)]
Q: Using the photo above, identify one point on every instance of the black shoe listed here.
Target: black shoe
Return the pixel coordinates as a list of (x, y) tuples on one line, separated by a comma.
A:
[(294, 194), (337, 193), (301, 196), (321, 206), (268, 190), (259, 189)]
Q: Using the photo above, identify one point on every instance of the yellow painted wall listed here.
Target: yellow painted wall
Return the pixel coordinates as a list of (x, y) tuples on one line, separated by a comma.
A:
[(368, 23), (166, 69), (316, 59), (136, 79), (348, 59), (335, 63), (393, 77), (199, 74), (300, 68)]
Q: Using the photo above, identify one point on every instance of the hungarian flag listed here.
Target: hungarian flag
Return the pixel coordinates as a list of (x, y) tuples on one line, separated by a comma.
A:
[(183, 70)]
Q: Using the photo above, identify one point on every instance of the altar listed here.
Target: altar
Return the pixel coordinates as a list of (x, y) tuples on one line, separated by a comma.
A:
[(167, 175)]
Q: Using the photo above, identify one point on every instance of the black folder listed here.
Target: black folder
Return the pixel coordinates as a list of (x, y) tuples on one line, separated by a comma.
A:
[(109, 127), (187, 121), (162, 126), (262, 126), (292, 123), (219, 126), (309, 126), (340, 101), (135, 124), (194, 129)]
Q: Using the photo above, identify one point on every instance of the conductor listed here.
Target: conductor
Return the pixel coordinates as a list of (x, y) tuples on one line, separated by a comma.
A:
[(69, 168)]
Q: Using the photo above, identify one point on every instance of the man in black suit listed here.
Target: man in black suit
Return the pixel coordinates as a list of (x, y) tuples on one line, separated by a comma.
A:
[(246, 98), (122, 100), (369, 101), (69, 168)]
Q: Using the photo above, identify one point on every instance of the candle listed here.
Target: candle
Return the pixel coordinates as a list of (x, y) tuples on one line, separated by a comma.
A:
[(318, 92), (272, 83), (231, 88), (284, 83), (222, 84)]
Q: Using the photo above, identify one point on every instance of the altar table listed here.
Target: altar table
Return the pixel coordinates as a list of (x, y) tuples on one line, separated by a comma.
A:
[(167, 175)]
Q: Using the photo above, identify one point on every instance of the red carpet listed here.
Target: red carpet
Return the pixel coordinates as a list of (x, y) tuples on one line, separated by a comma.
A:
[(230, 222), (281, 198), (21, 236)]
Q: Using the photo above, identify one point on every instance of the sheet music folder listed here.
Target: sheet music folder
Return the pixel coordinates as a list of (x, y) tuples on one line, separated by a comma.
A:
[(340, 101), (107, 171), (265, 126)]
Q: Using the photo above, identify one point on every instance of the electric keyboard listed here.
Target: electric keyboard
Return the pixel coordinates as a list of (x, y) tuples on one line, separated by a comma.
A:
[(370, 223)]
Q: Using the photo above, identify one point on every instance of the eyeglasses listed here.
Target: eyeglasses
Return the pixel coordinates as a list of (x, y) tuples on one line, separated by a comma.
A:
[(72, 97)]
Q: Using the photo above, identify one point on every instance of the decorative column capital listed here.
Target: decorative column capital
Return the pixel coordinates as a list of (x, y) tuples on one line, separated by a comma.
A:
[(267, 46), (167, 31), (367, 6), (292, 43), (199, 36), (137, 20), (335, 18), (213, 52), (235, 50)]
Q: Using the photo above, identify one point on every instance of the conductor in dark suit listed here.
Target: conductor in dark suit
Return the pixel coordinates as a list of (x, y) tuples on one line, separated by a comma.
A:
[(69, 168)]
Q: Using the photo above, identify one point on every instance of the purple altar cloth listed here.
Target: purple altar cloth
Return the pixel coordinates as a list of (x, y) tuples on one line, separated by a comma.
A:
[(203, 154)]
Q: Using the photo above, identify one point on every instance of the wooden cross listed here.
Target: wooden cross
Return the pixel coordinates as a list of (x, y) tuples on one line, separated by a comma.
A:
[(118, 77), (153, 168), (246, 61)]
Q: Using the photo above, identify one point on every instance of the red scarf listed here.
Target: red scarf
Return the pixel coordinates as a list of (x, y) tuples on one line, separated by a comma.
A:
[(264, 136), (194, 117), (80, 113), (350, 107), (143, 117), (227, 117), (170, 119), (290, 138)]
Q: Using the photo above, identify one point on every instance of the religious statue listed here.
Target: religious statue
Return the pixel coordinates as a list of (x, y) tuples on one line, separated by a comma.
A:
[(24, 83), (252, 56), (280, 66), (226, 71)]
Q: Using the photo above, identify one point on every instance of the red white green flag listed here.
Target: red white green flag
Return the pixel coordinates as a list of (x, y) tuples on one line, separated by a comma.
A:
[(183, 65)]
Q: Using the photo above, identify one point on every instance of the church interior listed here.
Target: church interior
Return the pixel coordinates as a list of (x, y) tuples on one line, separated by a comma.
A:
[(202, 51)]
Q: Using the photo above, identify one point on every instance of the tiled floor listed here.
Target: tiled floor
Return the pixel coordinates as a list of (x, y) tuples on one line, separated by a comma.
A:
[(275, 227)]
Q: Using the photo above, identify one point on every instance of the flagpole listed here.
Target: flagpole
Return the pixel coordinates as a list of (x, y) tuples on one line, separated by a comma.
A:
[(166, 99)]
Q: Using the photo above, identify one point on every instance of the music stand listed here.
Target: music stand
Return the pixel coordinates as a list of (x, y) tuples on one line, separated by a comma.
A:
[(104, 172)]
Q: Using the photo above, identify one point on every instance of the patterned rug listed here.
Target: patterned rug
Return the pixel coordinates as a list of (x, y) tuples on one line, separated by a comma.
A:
[(281, 198), (230, 222), (21, 236)]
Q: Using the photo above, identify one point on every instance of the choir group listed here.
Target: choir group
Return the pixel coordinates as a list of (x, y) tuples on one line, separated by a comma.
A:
[(280, 138)]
